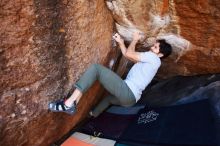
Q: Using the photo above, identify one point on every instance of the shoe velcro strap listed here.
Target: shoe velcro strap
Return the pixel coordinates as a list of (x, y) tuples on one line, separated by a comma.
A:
[(62, 106)]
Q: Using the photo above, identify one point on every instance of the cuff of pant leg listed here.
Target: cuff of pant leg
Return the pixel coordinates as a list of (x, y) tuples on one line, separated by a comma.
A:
[(94, 114), (79, 88)]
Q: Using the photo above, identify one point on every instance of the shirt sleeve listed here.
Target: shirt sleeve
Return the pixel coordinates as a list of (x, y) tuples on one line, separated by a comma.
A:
[(151, 58)]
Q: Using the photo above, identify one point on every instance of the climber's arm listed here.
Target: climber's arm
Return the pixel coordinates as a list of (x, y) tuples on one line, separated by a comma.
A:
[(129, 53), (136, 37)]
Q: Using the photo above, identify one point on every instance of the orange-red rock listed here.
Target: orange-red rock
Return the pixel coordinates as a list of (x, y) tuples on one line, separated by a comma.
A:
[(45, 45), (195, 25)]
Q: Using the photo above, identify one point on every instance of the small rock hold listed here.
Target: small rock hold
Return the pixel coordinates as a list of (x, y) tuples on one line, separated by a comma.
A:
[(25, 119), (62, 30), (27, 89), (31, 39), (12, 115), (23, 106), (18, 101), (23, 112)]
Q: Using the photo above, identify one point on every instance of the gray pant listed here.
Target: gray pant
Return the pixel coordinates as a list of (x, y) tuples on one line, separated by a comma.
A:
[(120, 92)]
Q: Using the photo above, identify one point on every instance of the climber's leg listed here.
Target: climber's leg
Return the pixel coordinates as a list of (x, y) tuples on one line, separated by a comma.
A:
[(106, 101), (110, 80)]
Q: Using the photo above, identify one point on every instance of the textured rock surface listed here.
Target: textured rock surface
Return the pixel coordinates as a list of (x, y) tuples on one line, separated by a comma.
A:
[(44, 47), (192, 27)]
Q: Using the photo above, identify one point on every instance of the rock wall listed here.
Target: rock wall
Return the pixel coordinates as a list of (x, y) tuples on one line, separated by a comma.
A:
[(45, 45), (191, 27)]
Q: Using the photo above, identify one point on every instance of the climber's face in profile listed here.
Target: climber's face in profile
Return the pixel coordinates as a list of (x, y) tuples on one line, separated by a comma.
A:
[(155, 48)]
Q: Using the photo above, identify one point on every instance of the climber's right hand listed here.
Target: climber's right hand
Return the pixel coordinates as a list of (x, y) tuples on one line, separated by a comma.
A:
[(118, 38)]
